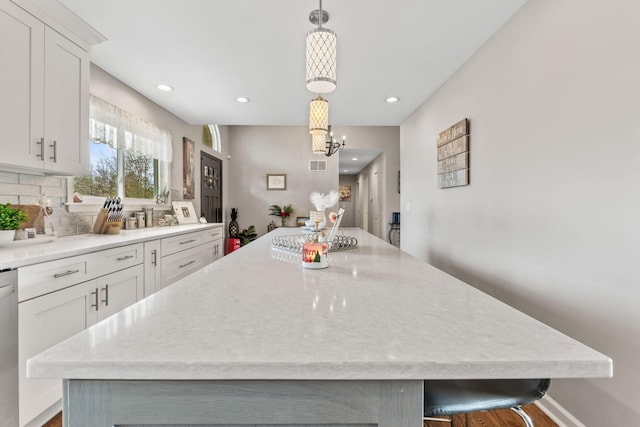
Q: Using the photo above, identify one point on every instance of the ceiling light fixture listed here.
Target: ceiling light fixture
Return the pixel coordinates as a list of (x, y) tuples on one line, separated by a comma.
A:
[(319, 116), (333, 146), (392, 99), (321, 54), (242, 99), (164, 87), (318, 143)]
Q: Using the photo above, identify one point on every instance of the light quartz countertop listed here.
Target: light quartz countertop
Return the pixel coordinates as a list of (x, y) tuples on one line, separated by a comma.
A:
[(14, 256), (375, 314)]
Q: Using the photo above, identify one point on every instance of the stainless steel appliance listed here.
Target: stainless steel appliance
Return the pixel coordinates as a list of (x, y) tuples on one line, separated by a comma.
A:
[(9, 348)]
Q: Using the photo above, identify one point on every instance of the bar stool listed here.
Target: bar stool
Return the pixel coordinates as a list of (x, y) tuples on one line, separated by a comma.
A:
[(451, 397)]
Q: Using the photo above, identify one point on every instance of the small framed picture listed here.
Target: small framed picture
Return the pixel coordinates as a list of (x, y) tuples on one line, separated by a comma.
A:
[(185, 213), (301, 221), (277, 181)]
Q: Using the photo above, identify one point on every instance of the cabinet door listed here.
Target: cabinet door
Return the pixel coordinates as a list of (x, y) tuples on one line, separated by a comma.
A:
[(21, 86), (119, 290), (151, 267), (66, 111), (44, 322)]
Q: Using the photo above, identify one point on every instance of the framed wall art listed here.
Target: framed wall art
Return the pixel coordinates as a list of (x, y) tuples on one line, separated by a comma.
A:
[(188, 168), (276, 181)]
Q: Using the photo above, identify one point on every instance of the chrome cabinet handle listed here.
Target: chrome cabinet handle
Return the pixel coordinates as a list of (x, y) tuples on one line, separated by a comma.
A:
[(55, 151), (106, 295), (189, 263), (41, 143), (122, 258), (154, 253), (95, 292), (187, 241), (66, 273)]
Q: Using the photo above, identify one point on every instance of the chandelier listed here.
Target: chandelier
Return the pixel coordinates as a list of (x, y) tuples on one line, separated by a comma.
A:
[(325, 144)]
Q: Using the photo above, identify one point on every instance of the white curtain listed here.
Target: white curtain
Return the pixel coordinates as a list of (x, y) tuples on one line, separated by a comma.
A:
[(136, 135)]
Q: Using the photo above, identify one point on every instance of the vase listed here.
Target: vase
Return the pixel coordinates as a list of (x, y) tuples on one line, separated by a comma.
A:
[(233, 228), (7, 235), (284, 220)]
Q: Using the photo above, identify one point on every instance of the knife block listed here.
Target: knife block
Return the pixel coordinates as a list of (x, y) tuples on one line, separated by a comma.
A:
[(102, 226)]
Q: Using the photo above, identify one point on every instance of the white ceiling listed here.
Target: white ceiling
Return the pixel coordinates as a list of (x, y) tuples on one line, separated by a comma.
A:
[(213, 51)]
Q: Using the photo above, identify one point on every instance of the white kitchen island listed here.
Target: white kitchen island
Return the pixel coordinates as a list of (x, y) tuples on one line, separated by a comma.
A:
[(255, 339)]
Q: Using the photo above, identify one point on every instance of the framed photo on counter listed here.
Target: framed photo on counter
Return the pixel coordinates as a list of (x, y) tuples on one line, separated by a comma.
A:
[(185, 213)]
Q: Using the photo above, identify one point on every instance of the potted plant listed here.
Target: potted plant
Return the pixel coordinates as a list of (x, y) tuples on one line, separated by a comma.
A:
[(10, 220), (282, 212)]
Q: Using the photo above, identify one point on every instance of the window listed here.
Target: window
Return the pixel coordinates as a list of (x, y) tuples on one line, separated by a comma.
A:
[(211, 137), (129, 157)]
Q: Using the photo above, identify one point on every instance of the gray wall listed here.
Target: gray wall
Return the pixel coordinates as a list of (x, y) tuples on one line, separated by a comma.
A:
[(350, 208), (550, 222), (260, 150)]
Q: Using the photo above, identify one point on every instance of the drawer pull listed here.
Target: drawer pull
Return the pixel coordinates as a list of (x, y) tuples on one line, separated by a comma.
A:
[(106, 295), (189, 263), (187, 241), (66, 273), (55, 151), (122, 258), (96, 294)]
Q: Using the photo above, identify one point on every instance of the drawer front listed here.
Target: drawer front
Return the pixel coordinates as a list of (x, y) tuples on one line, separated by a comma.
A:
[(171, 245), (39, 279), (110, 260), (213, 234), (180, 264)]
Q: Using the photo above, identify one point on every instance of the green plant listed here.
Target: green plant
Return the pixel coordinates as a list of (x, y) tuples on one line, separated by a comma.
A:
[(283, 212), (11, 218), (247, 235)]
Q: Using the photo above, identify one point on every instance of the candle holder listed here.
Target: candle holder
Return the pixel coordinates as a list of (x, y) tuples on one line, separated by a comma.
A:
[(314, 255)]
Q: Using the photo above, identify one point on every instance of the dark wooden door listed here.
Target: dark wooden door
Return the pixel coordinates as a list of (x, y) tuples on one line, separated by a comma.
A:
[(211, 187)]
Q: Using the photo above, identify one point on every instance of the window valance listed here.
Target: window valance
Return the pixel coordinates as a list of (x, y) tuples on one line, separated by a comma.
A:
[(121, 129)]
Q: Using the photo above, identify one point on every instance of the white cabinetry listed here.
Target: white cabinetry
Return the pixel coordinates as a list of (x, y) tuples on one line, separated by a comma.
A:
[(44, 110), (214, 244), (80, 296)]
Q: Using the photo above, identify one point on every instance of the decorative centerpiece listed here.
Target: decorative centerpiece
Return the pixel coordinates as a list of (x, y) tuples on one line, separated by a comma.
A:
[(10, 220), (321, 202), (283, 212)]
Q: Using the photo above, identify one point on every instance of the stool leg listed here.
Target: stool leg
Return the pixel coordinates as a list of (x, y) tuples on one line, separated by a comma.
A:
[(526, 418)]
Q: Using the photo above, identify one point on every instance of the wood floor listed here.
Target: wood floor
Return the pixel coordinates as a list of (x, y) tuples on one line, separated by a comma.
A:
[(500, 418)]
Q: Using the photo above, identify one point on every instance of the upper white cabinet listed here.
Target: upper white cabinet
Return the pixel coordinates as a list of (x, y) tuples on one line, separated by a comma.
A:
[(44, 79)]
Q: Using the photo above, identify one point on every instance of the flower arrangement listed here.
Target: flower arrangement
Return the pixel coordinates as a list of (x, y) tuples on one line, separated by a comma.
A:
[(323, 201), (283, 212)]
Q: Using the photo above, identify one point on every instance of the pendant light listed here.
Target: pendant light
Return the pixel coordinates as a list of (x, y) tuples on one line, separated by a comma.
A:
[(318, 144), (321, 54), (319, 116)]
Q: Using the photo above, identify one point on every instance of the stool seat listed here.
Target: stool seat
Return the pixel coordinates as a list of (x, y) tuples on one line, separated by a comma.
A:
[(451, 397)]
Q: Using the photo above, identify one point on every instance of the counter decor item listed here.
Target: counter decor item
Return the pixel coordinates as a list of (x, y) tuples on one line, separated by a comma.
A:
[(314, 255), (10, 220), (283, 212), (109, 220), (322, 202), (233, 224), (294, 243), (184, 212)]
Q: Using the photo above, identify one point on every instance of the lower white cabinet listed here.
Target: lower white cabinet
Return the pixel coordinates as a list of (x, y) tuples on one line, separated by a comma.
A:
[(51, 318)]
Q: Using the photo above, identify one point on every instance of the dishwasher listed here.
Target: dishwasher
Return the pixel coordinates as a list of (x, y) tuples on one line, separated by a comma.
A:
[(9, 348)]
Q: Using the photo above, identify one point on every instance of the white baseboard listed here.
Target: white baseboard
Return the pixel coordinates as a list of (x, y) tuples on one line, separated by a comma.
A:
[(557, 413)]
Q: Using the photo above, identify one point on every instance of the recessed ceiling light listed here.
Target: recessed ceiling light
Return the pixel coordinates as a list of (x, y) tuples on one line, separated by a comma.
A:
[(392, 99), (354, 158), (165, 88), (346, 170), (242, 99)]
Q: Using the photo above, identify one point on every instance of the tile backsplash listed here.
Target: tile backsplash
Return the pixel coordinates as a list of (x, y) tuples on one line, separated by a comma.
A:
[(25, 189)]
